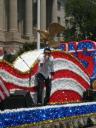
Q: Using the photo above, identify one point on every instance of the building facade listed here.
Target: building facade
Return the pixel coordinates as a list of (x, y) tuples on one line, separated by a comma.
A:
[(19, 17)]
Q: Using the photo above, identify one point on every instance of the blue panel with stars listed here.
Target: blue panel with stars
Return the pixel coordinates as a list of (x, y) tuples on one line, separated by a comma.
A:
[(39, 114)]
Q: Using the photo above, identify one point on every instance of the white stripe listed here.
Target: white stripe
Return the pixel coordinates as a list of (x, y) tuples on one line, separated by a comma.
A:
[(6, 76), (4, 88), (2, 95), (67, 84), (61, 64)]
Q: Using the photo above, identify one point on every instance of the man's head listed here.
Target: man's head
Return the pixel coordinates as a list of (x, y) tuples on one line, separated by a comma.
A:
[(47, 51)]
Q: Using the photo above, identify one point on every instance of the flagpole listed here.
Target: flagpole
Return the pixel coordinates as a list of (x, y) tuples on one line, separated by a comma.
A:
[(38, 24)]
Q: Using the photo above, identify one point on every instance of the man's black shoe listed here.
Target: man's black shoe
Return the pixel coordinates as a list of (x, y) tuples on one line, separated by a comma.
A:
[(39, 104)]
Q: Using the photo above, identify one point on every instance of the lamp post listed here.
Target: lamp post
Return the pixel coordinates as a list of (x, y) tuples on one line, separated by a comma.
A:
[(38, 24), (29, 70)]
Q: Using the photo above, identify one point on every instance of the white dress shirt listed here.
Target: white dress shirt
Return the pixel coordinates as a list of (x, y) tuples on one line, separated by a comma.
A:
[(45, 65)]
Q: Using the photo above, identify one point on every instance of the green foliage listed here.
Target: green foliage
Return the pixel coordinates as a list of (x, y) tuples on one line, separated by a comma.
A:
[(28, 47), (84, 14), (9, 58)]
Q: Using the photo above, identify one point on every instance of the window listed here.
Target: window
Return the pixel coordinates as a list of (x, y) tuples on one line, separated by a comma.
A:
[(58, 5), (59, 20)]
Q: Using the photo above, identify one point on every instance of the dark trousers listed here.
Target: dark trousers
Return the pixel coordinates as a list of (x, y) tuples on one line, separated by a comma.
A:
[(41, 82)]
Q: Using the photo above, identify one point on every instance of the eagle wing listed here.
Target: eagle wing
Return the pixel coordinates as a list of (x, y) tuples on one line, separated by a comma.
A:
[(55, 28), (43, 33)]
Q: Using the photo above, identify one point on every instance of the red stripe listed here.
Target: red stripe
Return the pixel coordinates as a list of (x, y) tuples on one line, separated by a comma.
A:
[(2, 93), (11, 86), (88, 59), (9, 68), (65, 96)]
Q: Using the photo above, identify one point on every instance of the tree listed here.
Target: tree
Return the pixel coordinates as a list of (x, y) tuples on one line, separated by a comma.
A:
[(84, 14)]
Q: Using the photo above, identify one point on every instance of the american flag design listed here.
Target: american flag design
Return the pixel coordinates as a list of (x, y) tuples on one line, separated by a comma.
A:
[(85, 52), (4, 92), (70, 79)]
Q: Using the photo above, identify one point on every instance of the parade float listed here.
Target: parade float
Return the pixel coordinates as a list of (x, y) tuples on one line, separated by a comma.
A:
[(74, 74), (74, 69)]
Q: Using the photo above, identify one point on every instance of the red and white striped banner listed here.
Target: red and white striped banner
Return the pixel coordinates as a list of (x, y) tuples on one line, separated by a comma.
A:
[(69, 82)]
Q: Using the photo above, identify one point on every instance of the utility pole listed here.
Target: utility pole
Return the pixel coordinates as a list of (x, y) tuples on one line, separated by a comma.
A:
[(38, 24)]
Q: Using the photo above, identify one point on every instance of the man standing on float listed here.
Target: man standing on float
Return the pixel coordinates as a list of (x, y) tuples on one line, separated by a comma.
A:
[(44, 76)]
